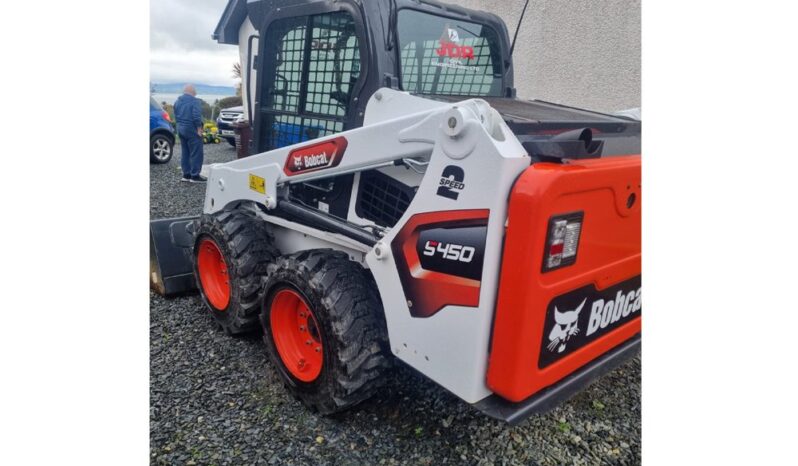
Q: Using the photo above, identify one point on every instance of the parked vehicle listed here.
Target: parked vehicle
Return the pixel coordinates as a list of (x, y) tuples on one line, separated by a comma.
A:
[(225, 121), (402, 204), (162, 135)]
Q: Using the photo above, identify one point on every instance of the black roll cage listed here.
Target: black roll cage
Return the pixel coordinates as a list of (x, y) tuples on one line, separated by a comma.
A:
[(373, 20)]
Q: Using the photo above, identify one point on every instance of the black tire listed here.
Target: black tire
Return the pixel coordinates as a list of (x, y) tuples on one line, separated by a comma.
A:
[(231, 141), (161, 148), (343, 297), (247, 248)]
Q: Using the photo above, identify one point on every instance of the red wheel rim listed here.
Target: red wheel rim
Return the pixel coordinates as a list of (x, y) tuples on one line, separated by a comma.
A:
[(213, 274), (296, 335)]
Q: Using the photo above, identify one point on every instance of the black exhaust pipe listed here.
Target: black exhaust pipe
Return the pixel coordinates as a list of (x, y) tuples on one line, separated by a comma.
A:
[(585, 135), (572, 144)]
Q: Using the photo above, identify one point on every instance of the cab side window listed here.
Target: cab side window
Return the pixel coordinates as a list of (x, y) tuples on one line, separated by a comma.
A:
[(447, 57), (311, 64)]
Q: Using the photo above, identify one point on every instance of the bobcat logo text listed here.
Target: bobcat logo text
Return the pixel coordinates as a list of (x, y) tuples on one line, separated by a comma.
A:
[(314, 160), (317, 156), (606, 313)]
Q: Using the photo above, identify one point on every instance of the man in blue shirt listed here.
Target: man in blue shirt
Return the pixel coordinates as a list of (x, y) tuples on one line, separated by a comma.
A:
[(188, 115)]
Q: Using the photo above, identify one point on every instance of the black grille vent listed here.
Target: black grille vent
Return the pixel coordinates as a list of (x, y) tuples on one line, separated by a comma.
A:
[(382, 199)]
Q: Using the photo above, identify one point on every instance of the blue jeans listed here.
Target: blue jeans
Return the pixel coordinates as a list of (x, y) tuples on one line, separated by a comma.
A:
[(191, 159)]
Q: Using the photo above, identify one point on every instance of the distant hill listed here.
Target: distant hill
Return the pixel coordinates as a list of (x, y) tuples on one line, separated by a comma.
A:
[(177, 88)]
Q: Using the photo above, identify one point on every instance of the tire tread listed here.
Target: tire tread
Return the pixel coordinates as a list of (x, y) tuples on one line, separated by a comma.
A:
[(251, 249), (356, 322)]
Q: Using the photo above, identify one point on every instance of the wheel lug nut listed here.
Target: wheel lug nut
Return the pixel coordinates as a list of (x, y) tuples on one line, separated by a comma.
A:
[(308, 342), (318, 349), (301, 328)]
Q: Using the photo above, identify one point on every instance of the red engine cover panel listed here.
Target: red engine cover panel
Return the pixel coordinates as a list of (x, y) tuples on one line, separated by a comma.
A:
[(527, 354)]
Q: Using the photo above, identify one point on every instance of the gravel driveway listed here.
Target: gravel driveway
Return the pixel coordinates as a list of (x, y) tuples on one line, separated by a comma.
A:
[(215, 399)]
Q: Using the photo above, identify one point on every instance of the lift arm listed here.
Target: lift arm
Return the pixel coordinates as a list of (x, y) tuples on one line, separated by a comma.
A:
[(398, 127)]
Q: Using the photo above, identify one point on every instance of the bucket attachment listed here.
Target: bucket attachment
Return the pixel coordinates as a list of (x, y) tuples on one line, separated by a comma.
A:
[(171, 261)]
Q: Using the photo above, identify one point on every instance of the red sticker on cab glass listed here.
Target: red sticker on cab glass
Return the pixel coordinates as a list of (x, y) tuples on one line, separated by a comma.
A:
[(450, 45)]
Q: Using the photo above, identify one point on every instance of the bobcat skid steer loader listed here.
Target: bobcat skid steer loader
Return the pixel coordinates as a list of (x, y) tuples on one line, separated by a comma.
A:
[(402, 204)]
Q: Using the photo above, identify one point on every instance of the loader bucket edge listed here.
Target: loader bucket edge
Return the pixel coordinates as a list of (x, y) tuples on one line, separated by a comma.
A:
[(171, 262)]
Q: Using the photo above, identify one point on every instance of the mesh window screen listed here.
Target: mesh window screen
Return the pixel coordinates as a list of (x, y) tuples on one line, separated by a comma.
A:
[(449, 57), (289, 73), (334, 64), (382, 199), (309, 78)]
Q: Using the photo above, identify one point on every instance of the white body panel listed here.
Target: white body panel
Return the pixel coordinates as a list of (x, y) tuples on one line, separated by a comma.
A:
[(451, 346), (246, 30), (291, 237)]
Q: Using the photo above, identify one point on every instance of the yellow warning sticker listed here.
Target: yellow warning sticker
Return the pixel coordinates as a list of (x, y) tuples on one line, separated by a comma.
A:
[(257, 183)]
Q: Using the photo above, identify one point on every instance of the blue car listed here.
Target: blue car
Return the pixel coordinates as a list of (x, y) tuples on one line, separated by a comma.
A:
[(162, 136)]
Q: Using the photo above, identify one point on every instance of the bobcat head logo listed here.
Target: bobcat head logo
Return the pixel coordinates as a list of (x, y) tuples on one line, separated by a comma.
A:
[(298, 161), (564, 328)]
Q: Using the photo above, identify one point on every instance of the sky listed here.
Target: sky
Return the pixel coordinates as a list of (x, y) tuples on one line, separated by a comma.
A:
[(181, 48)]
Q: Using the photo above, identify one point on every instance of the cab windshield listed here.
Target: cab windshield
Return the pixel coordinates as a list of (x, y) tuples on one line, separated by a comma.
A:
[(447, 56)]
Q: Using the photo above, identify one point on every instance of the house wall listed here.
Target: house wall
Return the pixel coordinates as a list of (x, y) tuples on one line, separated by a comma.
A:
[(244, 32), (584, 53)]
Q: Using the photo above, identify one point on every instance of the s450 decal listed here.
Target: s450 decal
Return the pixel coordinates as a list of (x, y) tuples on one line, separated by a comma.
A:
[(454, 252)]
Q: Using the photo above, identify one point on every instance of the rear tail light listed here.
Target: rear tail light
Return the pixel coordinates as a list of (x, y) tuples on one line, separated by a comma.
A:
[(166, 117), (562, 240)]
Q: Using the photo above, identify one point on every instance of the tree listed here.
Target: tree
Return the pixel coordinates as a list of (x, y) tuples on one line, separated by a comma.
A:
[(215, 109), (237, 75), (206, 110)]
